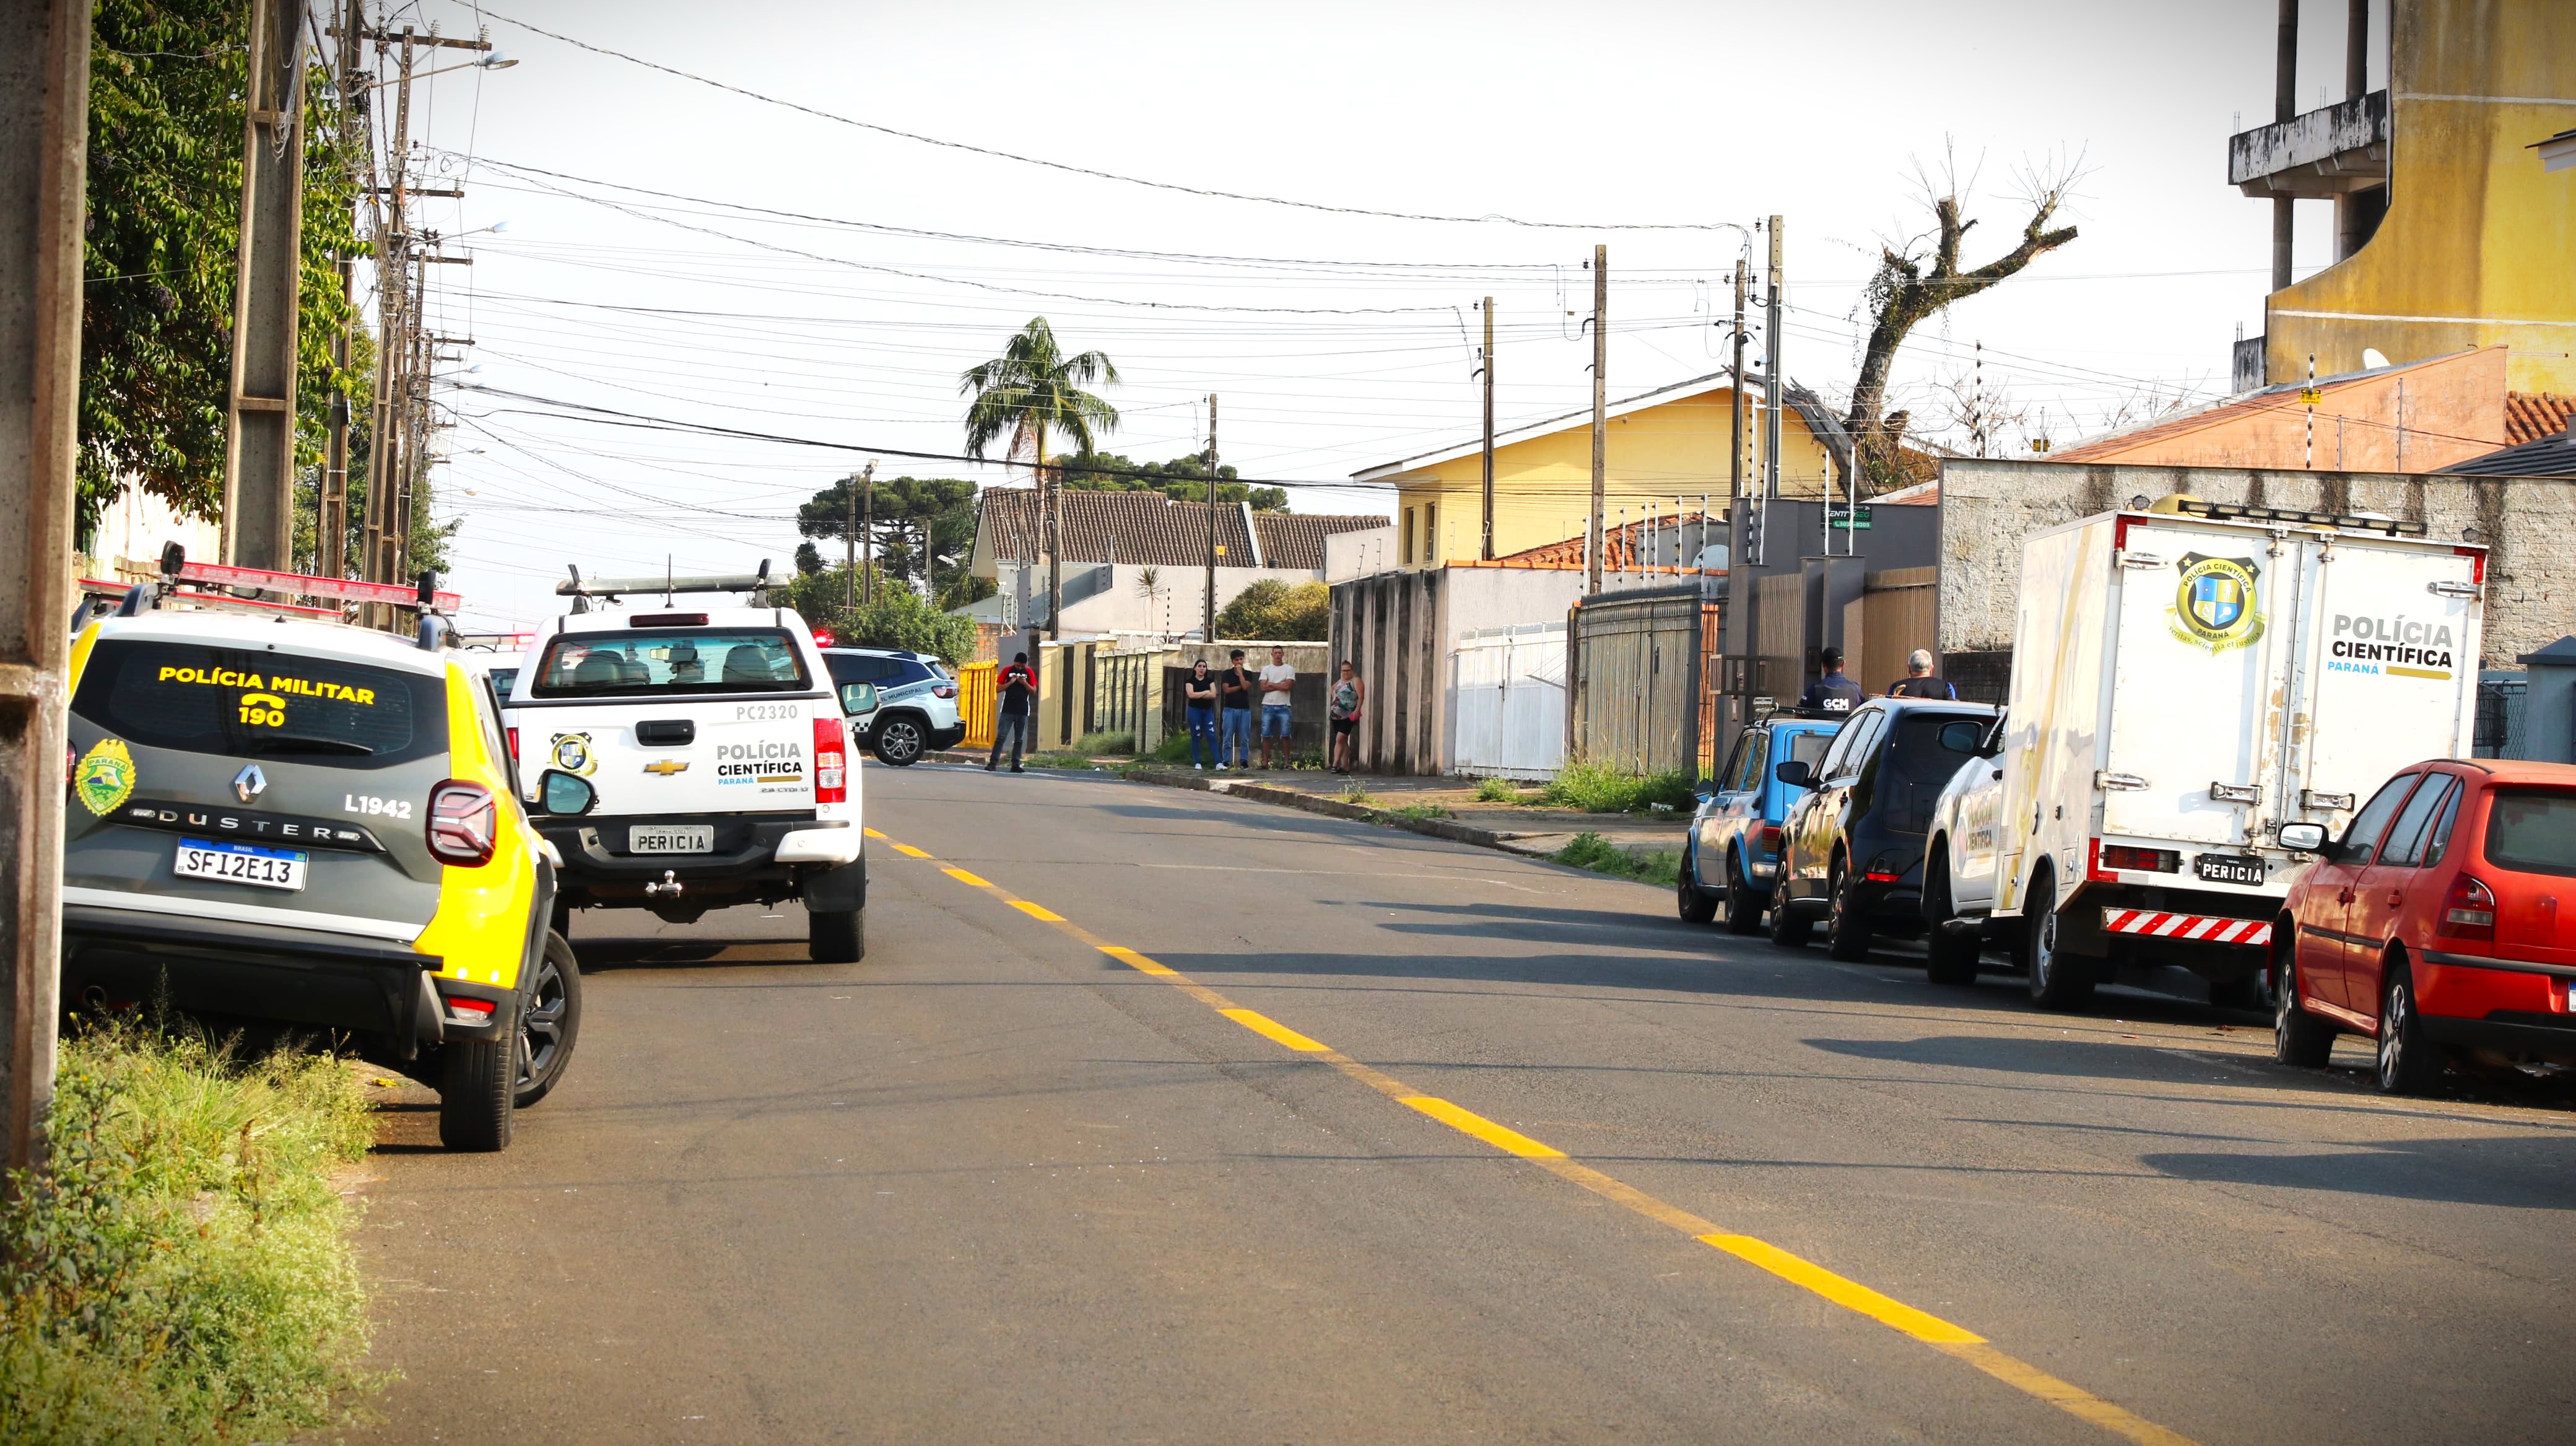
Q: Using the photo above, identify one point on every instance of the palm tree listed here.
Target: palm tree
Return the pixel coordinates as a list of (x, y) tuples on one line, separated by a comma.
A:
[(1033, 388)]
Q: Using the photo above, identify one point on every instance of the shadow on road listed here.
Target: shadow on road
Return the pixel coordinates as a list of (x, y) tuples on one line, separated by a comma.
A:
[(2528, 1172)]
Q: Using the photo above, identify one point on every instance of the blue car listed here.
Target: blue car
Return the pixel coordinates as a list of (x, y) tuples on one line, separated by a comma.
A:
[(1733, 855)]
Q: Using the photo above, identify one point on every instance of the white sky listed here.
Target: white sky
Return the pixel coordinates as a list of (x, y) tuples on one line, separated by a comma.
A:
[(1603, 113)]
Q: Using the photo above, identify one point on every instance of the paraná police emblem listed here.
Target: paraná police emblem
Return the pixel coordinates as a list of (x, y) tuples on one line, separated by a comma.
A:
[(2216, 606), (105, 777), (572, 753)]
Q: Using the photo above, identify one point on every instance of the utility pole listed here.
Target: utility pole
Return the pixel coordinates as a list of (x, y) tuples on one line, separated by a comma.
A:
[(1771, 372), (868, 526), (2285, 107), (1600, 415), (1734, 450), (1208, 634), (259, 422), (1487, 357), (1054, 500), (44, 137), (331, 504)]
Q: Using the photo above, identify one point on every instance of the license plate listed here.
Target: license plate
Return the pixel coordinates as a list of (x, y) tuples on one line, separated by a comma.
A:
[(241, 863), (2228, 869), (671, 838)]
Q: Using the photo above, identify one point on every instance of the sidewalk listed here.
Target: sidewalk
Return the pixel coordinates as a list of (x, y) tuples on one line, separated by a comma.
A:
[(1407, 803)]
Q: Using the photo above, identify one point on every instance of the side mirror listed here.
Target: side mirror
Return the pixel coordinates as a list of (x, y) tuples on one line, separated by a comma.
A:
[(2303, 838), (858, 699), (1793, 773), (565, 795)]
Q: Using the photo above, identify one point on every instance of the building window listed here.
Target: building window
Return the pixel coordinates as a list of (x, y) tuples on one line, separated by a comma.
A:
[(1430, 532), (1408, 535)]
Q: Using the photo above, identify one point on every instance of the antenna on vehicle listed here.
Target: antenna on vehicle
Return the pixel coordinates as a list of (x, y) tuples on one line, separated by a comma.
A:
[(760, 585), (434, 632), (667, 579)]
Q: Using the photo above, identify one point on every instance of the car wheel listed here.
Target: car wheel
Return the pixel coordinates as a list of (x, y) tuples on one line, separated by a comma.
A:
[(2058, 980), (1951, 954), (2298, 1037), (1789, 928), (1697, 905), (1743, 906), (478, 1083), (899, 742), (836, 938), (2410, 1063), (1846, 927), (549, 1022)]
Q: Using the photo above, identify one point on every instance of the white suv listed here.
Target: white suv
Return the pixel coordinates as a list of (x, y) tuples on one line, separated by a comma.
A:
[(716, 744), (916, 702)]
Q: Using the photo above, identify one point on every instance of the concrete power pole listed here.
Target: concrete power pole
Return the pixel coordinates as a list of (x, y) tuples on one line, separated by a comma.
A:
[(1735, 409), (1600, 416), (1487, 358), (1208, 635), (44, 136), (1771, 371), (1054, 500), (868, 526), (2285, 106), (259, 422)]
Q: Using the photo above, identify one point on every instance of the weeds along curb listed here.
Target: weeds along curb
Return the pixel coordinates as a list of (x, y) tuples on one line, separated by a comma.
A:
[(1443, 828)]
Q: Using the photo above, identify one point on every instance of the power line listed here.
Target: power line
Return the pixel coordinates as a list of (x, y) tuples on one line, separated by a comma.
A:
[(1488, 219)]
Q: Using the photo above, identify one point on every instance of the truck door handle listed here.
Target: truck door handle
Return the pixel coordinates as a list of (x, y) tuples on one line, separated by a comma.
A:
[(2396, 898), (2344, 898)]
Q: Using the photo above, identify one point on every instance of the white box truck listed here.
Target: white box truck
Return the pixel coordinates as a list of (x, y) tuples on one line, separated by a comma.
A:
[(2185, 680)]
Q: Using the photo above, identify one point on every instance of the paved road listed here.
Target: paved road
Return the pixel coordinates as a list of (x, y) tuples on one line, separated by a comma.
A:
[(996, 1184)]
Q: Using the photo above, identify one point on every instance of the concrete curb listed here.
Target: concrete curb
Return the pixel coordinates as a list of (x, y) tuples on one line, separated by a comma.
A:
[(1441, 828)]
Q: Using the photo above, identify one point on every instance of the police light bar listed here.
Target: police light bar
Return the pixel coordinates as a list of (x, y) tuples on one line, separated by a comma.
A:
[(2233, 512), (669, 584)]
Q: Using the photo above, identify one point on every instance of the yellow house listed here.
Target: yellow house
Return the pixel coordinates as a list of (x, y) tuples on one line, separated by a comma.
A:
[(2451, 232), (1666, 452)]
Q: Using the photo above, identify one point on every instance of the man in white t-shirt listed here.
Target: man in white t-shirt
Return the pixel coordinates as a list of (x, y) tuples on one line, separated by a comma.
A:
[(1277, 679)]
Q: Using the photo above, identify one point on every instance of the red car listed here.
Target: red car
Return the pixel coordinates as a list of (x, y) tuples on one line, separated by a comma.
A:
[(2435, 923)]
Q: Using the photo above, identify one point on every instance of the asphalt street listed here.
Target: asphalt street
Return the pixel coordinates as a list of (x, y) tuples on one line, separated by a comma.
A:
[(1153, 1116)]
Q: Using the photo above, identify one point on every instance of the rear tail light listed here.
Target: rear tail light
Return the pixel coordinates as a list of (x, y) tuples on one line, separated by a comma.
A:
[(462, 823), (514, 744), (2152, 861), (1769, 838), (461, 1010), (2469, 912), (831, 772), (944, 690), (1881, 876)]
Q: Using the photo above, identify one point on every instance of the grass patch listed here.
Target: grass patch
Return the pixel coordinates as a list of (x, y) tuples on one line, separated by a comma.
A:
[(1599, 788), (1591, 851), (1498, 790), (1420, 810), (182, 1272), (1080, 761), (1357, 794), (1096, 744), (1175, 748)]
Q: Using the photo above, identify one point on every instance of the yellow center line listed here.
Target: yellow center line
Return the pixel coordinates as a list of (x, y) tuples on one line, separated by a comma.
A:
[(1952, 1340)]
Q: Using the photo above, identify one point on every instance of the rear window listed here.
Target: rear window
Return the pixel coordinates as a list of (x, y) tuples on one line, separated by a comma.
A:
[(1920, 761), (253, 703), (1809, 748), (2532, 830), (673, 662)]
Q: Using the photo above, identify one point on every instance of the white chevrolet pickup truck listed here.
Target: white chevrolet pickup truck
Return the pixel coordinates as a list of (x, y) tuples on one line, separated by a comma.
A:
[(717, 745)]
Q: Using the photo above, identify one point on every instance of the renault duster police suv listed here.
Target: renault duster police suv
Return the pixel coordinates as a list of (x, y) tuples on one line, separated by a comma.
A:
[(717, 745), (310, 825)]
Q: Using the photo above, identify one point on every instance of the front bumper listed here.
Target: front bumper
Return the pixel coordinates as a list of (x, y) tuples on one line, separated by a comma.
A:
[(311, 978)]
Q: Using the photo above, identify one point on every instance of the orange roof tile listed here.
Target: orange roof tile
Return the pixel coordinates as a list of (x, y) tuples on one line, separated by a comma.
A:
[(2530, 416)]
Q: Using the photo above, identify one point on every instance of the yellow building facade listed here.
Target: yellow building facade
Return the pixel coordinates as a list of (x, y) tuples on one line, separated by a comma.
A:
[(1666, 452), (2478, 244)]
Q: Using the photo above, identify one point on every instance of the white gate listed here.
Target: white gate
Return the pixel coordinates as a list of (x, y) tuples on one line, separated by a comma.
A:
[(1507, 701)]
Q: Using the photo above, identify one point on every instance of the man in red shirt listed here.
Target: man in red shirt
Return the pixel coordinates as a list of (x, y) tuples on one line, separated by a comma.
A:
[(1015, 695)]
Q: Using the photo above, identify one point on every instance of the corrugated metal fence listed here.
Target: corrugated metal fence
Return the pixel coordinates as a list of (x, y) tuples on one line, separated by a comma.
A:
[(1641, 666)]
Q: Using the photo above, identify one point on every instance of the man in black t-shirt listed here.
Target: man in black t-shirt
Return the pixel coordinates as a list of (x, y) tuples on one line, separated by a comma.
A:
[(1234, 689), (1918, 681), (1833, 693)]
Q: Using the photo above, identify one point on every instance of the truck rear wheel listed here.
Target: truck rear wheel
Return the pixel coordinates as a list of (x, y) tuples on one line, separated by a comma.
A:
[(838, 938), (2058, 980)]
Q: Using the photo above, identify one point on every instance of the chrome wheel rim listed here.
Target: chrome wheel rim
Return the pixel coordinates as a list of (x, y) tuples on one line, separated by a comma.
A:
[(2043, 951), (2392, 1034), (902, 741), (2285, 1003)]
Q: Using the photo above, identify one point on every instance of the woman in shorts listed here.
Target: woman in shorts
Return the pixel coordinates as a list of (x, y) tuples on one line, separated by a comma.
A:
[(1349, 694)]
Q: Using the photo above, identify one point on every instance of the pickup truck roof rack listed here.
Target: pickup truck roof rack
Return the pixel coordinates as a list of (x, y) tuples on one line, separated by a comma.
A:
[(608, 589), (2348, 521)]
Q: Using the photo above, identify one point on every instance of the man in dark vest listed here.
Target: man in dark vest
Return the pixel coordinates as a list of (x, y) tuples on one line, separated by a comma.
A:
[(1918, 681), (1833, 694)]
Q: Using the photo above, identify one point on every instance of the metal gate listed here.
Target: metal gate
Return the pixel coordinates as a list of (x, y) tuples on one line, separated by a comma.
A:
[(1507, 701)]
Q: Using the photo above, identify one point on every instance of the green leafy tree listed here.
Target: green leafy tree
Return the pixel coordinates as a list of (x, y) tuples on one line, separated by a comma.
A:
[(898, 618), (167, 79), (1183, 479), (1274, 611), (1033, 390), (903, 506)]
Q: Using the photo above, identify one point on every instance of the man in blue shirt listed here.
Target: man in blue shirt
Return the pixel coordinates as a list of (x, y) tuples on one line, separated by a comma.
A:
[(1833, 693)]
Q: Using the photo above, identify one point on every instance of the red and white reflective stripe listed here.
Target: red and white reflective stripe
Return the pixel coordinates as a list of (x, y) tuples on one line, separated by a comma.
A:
[(2202, 927)]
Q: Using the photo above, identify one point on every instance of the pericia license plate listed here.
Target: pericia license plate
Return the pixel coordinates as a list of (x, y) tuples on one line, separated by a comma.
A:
[(241, 863), (2228, 869), (671, 838)]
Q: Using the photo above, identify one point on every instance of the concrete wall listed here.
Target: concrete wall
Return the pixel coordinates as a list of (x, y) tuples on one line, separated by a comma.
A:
[(1988, 507), (2474, 248), (1357, 554)]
